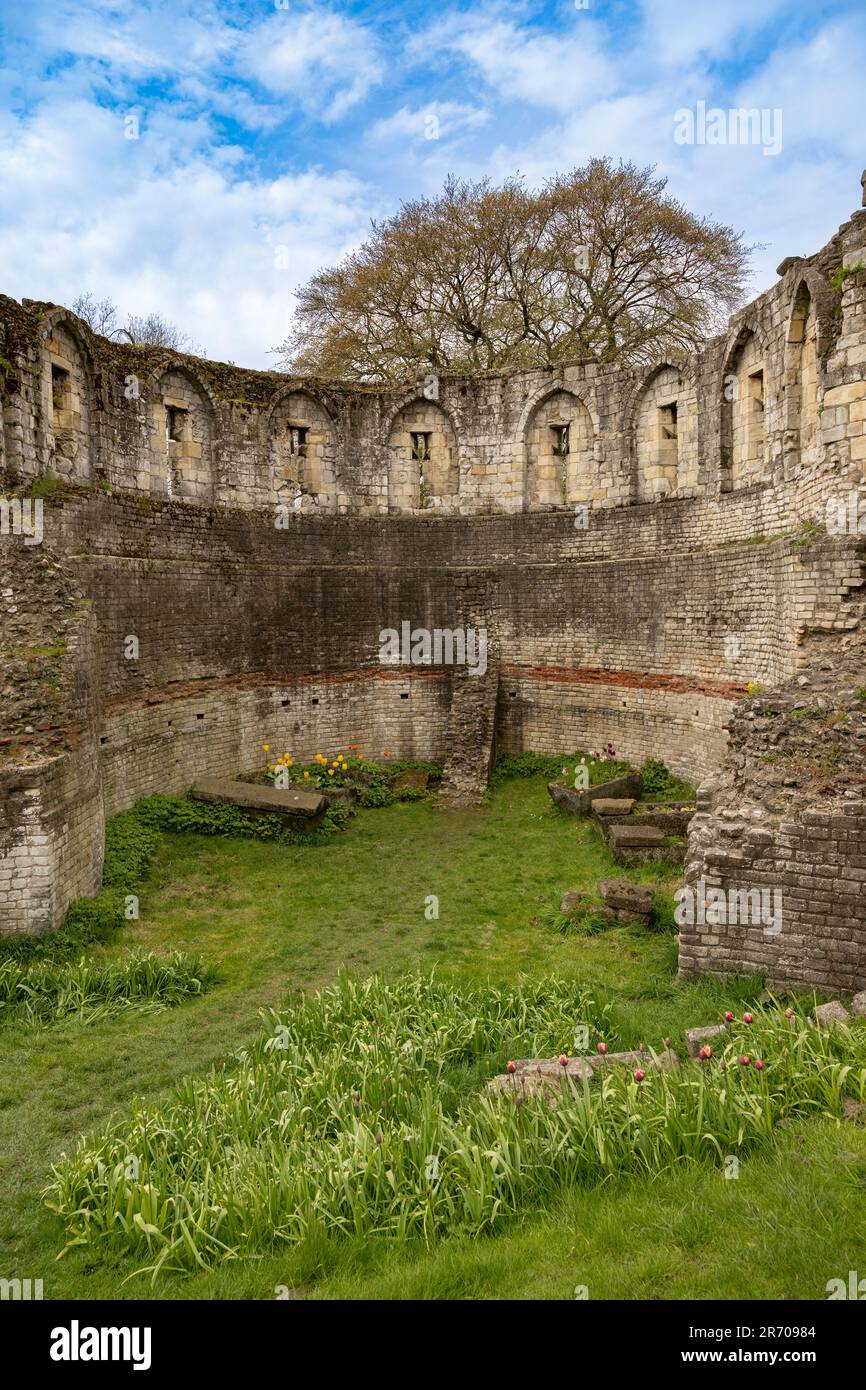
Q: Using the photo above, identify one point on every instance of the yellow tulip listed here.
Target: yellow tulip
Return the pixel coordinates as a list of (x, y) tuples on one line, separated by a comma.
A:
[(330, 772)]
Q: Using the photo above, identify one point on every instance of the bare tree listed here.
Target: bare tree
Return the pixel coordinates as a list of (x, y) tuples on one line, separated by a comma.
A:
[(148, 330), (598, 264), (100, 314)]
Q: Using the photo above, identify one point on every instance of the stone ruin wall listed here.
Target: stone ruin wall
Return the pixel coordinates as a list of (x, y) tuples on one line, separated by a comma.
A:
[(254, 532)]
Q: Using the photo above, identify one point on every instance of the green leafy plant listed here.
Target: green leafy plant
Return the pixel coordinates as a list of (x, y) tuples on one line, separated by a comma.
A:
[(359, 1112), (40, 992), (657, 781), (841, 274), (550, 766)]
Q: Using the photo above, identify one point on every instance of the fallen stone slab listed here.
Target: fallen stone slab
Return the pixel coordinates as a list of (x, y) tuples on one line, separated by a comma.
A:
[(548, 1078), (612, 805), (696, 1038), (828, 1015), (633, 836), (295, 807), (621, 896), (581, 803)]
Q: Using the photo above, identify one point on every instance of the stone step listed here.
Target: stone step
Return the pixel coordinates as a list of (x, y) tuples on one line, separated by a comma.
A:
[(636, 836)]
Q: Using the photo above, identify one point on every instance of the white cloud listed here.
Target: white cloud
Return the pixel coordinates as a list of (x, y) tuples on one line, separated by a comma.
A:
[(438, 120), (193, 238), (520, 63), (323, 61)]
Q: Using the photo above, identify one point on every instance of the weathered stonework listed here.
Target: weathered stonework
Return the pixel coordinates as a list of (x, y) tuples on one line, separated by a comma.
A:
[(632, 541)]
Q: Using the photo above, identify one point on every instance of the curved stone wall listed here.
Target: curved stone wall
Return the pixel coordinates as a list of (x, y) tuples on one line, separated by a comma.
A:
[(632, 543)]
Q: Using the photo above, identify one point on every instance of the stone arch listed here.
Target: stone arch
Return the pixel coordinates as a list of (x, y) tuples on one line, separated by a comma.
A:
[(744, 442), (801, 374), (663, 425), (422, 453), (559, 434), (66, 397), (182, 413), (302, 452)]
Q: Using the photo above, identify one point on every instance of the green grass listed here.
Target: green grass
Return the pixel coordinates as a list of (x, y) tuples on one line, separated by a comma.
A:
[(272, 918)]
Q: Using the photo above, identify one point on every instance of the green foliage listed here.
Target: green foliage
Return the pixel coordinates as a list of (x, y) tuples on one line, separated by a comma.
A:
[(330, 1120), (550, 765), (40, 992), (373, 782), (658, 782), (49, 488), (588, 919), (809, 533), (182, 815), (661, 918), (840, 275)]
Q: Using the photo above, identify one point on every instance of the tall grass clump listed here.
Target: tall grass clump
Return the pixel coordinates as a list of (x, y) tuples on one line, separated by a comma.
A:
[(37, 993), (362, 1112)]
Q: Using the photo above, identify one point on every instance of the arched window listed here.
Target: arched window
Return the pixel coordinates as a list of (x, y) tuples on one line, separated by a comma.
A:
[(744, 431), (303, 453), (559, 460), (181, 440), (422, 458), (661, 425), (803, 382), (65, 399)]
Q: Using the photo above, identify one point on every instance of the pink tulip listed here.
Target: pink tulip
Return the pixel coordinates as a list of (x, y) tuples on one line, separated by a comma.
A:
[(747, 1018), (705, 1054), (511, 1068), (563, 1060), (729, 1017), (789, 1013), (759, 1065), (638, 1075), (744, 1061), (602, 1047)]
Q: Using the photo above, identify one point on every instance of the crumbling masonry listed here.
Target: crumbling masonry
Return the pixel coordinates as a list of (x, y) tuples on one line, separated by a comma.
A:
[(220, 550)]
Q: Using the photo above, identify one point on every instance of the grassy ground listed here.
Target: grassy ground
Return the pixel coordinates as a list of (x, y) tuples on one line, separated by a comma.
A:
[(271, 917)]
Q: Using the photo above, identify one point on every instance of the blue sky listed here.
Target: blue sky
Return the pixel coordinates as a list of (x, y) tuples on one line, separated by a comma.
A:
[(269, 134)]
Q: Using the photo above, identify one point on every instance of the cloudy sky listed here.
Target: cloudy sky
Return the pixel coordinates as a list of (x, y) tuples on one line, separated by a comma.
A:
[(202, 159)]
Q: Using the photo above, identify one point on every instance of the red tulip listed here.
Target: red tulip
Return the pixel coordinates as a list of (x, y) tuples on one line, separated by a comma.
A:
[(729, 1017), (511, 1068)]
